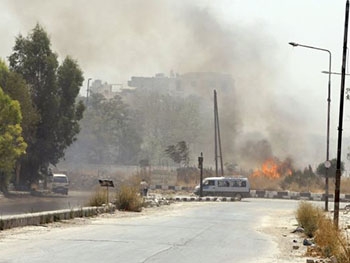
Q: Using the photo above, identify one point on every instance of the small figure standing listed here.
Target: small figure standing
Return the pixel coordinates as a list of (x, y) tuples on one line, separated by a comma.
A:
[(144, 187)]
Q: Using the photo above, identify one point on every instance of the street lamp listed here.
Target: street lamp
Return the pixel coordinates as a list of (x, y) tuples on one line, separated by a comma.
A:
[(328, 111)]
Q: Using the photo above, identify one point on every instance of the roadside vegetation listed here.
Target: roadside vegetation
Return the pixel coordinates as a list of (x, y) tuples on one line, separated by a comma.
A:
[(98, 198), (125, 198), (129, 199), (45, 113), (329, 241), (12, 144)]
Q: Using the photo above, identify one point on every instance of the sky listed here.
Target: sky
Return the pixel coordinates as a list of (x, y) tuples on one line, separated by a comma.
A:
[(281, 90)]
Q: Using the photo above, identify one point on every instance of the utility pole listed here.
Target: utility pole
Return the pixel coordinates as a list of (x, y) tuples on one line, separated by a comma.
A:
[(217, 138), (340, 127), (200, 166)]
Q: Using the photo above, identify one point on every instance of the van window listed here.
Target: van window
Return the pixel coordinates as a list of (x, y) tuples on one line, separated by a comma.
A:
[(209, 182), (243, 183), (223, 183), (236, 184)]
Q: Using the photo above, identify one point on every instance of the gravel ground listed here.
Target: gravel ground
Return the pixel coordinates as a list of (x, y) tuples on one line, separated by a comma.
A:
[(291, 248), (290, 245)]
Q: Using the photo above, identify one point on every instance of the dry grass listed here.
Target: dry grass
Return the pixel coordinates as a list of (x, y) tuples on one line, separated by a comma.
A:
[(344, 186), (128, 199), (308, 217), (312, 187), (191, 182), (344, 256), (99, 198), (328, 238), (264, 183)]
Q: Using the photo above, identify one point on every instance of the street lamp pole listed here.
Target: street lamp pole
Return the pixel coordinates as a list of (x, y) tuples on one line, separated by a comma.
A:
[(340, 127), (328, 111)]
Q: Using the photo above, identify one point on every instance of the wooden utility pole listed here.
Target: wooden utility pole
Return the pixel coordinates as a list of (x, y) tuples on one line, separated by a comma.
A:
[(217, 138), (200, 166)]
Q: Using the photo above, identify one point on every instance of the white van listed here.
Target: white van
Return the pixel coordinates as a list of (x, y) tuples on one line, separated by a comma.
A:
[(236, 187), (60, 184)]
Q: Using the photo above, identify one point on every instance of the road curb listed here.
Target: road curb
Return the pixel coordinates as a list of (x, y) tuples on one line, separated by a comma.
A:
[(7, 222)]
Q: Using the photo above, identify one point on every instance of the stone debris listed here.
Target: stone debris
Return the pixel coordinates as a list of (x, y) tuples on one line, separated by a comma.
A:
[(155, 201), (298, 230), (324, 260), (308, 242)]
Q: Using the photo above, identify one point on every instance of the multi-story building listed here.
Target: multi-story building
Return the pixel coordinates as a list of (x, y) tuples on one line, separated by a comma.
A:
[(173, 85), (103, 88), (180, 85)]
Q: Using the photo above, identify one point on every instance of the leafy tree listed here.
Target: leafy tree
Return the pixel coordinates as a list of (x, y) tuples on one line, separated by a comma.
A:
[(321, 169), (12, 144), (53, 91), (301, 178), (15, 86), (108, 133), (164, 119), (179, 153), (70, 79)]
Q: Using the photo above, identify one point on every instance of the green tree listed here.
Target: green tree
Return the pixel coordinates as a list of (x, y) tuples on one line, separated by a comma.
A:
[(108, 134), (163, 120), (70, 79), (321, 169), (53, 91), (15, 86), (301, 178), (12, 144)]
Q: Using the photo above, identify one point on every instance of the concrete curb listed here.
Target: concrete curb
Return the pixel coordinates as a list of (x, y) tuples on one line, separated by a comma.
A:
[(7, 222), (265, 194), (201, 199)]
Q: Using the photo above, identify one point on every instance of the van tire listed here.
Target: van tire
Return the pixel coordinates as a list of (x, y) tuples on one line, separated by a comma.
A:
[(238, 197)]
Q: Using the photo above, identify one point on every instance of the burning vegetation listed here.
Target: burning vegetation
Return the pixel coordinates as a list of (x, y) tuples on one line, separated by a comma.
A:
[(275, 174), (273, 168)]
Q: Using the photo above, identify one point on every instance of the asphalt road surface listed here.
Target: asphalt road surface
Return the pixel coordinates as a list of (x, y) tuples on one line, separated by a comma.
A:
[(22, 204), (187, 232)]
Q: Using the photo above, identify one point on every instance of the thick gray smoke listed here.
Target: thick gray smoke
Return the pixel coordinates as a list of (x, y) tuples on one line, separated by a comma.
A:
[(114, 40)]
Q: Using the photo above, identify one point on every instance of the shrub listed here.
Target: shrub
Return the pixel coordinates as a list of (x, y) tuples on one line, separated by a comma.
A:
[(308, 216), (98, 198), (128, 199), (328, 238), (344, 256)]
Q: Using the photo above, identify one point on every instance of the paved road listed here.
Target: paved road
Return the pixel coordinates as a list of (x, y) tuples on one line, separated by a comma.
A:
[(22, 204), (201, 232)]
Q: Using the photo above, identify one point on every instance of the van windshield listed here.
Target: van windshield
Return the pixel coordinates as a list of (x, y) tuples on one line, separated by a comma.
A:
[(60, 179)]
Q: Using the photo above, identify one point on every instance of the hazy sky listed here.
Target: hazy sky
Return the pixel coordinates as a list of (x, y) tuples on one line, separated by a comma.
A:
[(279, 86)]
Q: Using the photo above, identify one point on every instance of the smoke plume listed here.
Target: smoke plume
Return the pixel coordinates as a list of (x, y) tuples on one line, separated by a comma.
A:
[(114, 40)]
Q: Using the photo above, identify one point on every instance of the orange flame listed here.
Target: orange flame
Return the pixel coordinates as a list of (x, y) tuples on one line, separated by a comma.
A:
[(273, 169)]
